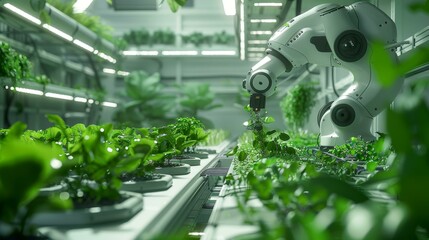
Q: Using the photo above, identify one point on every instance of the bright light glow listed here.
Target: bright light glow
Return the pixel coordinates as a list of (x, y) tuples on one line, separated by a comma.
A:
[(263, 20), (140, 53), (29, 91), (242, 33), (361, 217), (109, 104), (56, 164), (257, 42), (81, 5), (261, 32), (122, 73), (196, 234), (91, 101), (179, 53), (22, 13), (256, 49), (218, 53), (268, 4), (83, 45), (256, 54), (109, 70), (105, 56), (59, 96), (80, 99), (229, 7), (58, 32)]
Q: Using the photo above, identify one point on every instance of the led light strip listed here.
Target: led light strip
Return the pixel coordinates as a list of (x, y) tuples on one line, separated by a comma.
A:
[(58, 32), (22, 13), (242, 33), (179, 53), (218, 53), (263, 20), (268, 4), (59, 96), (140, 53), (257, 42), (261, 32)]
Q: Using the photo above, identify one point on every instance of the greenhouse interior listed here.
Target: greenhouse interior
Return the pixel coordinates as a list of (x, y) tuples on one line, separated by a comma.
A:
[(214, 119)]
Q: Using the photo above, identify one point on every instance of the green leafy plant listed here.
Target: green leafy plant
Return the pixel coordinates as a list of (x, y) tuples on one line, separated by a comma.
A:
[(138, 37), (148, 105), (25, 167), (166, 37), (197, 97), (296, 105), (13, 65), (198, 38), (176, 4)]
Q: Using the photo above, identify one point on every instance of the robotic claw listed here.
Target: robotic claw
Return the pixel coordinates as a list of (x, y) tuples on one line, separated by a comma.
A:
[(336, 36)]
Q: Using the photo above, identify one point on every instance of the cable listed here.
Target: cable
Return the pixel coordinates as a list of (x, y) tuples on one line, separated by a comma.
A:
[(333, 82)]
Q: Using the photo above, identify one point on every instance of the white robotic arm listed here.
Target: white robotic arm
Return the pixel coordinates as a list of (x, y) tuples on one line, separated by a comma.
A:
[(331, 35)]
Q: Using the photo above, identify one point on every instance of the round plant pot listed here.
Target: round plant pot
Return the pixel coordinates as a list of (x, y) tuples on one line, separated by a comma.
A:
[(198, 154), (192, 161), (176, 169), (124, 210), (159, 184), (207, 150)]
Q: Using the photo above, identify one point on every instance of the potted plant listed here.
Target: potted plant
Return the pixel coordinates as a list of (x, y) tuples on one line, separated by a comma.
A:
[(93, 184), (197, 97), (25, 167), (148, 106)]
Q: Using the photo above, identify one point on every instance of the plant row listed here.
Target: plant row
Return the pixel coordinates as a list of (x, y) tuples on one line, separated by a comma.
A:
[(167, 37), (89, 162)]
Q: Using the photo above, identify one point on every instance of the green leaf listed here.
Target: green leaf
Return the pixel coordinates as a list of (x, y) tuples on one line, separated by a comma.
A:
[(242, 155), (339, 187), (284, 136), (57, 120), (371, 166), (16, 130), (399, 131), (268, 120)]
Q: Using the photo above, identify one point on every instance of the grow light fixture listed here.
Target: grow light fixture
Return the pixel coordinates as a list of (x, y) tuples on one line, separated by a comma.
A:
[(242, 33), (261, 32), (268, 4), (58, 32), (256, 49), (105, 56), (80, 99), (218, 53), (83, 45), (256, 55), (109, 104), (179, 53), (229, 7), (122, 73), (109, 70), (29, 91), (59, 96), (81, 5), (140, 53), (263, 20), (257, 42), (22, 13)]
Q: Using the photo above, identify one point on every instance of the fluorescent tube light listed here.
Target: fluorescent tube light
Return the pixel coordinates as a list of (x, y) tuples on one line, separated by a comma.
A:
[(179, 53), (80, 99), (140, 53), (29, 91), (58, 32), (105, 56), (109, 104), (58, 96), (109, 70), (263, 20), (268, 4), (81, 5), (242, 33), (218, 53), (256, 49), (122, 73), (229, 7), (22, 13), (83, 45), (261, 32), (257, 42), (256, 54)]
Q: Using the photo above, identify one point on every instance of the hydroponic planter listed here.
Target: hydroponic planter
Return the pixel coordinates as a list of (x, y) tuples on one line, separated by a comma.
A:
[(181, 169), (207, 150), (94, 215), (160, 184), (198, 154), (192, 161)]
